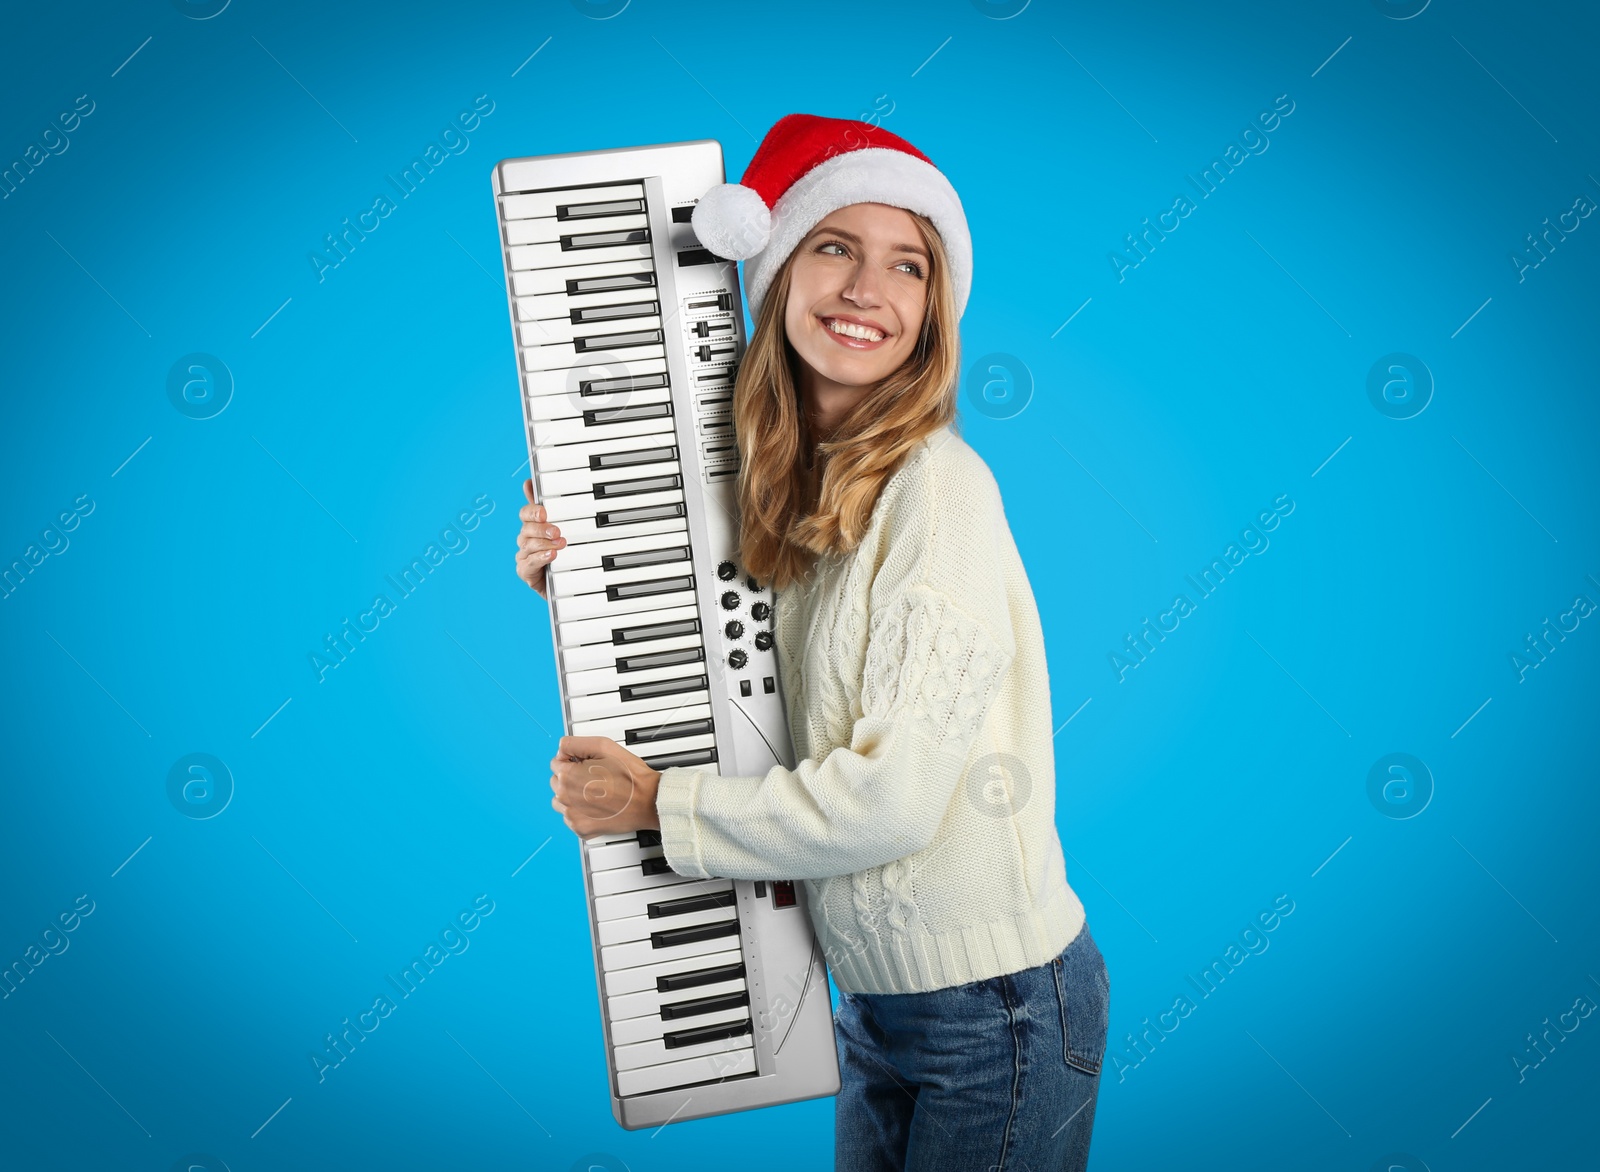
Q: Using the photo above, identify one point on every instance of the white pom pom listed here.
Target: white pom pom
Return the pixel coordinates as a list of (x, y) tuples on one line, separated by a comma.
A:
[(732, 221)]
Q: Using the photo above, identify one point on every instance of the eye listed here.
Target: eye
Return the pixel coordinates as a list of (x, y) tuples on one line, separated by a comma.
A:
[(915, 268), (832, 244)]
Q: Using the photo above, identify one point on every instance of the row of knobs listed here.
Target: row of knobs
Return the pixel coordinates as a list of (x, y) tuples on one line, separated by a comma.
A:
[(760, 611)]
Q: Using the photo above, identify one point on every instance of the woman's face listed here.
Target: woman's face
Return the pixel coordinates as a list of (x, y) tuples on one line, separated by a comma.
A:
[(858, 289)]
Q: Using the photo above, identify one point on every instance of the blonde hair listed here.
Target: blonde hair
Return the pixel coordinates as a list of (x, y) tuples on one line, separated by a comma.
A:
[(788, 516)]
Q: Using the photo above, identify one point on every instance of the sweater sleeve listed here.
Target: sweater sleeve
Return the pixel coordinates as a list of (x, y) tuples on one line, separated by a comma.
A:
[(932, 672)]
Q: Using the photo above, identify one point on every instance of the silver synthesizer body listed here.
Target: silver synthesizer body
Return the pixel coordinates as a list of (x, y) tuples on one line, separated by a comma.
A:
[(713, 993)]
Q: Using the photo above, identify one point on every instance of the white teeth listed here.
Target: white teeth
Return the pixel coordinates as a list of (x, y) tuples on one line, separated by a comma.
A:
[(851, 330)]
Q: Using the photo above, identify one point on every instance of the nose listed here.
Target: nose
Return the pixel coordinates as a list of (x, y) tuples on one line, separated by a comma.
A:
[(866, 285)]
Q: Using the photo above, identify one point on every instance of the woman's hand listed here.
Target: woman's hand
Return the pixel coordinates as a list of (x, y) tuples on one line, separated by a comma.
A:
[(536, 544), (601, 788)]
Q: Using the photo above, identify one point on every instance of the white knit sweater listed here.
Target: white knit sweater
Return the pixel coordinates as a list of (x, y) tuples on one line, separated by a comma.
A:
[(921, 813)]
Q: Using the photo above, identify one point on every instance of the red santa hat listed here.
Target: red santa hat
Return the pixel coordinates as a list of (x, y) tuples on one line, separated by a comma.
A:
[(808, 167)]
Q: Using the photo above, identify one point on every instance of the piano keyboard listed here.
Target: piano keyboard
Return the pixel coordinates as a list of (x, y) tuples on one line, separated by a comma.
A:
[(713, 992)]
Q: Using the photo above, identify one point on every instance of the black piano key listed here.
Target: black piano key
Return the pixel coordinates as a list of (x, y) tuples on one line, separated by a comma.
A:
[(705, 1034), (648, 631), (683, 215), (684, 759), (647, 838), (668, 732), (662, 688), (691, 903), (606, 342), (672, 937), (604, 460), (692, 980), (644, 557), (656, 866), (646, 513), (622, 382), (605, 239), (647, 588), (595, 313), (695, 256), (599, 416), (616, 488), (661, 659), (700, 1006), (612, 207), (611, 284)]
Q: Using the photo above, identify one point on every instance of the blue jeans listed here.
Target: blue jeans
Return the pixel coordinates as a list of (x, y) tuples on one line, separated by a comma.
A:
[(991, 1076)]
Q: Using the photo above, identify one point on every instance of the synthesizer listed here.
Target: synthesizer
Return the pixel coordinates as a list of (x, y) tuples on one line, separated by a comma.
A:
[(628, 335)]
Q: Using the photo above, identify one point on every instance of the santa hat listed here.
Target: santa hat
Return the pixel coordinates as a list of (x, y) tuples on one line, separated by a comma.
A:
[(808, 167)]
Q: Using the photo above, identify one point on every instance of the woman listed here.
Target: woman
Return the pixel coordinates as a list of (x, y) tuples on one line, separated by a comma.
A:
[(972, 1011)]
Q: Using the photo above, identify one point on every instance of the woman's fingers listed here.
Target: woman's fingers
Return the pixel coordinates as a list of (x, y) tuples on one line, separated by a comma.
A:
[(537, 541)]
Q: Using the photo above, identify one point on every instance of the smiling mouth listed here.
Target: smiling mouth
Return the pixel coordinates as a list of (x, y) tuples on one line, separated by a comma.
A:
[(853, 334)]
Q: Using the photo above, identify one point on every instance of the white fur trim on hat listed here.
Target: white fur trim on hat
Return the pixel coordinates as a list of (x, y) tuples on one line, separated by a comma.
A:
[(732, 221), (868, 175)]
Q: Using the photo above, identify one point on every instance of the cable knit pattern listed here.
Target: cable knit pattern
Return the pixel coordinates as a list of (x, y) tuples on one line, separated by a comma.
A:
[(921, 811)]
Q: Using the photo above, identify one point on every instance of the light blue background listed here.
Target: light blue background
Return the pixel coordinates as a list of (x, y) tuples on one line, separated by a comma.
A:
[(373, 406)]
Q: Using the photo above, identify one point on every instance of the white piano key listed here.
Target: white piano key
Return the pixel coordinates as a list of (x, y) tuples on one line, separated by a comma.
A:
[(612, 276), (575, 480), (544, 409), (631, 1031), (601, 368), (661, 750), (575, 635), (637, 347), (611, 704), (582, 607), (608, 303), (621, 523), (574, 457), (542, 333), (576, 430), (636, 904), (668, 557), (563, 510), (648, 1003), (609, 679), (653, 1053), (684, 1072), (631, 612), (601, 855), (636, 952), (635, 662), (616, 727), (644, 666), (642, 978), (614, 880), (545, 203), (579, 558), (546, 256), (548, 229), (632, 928)]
